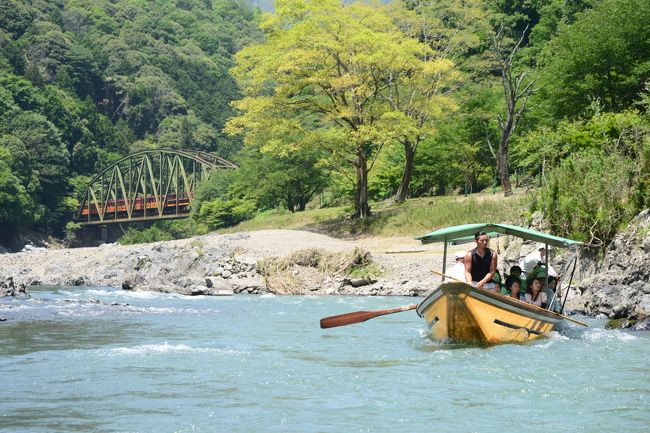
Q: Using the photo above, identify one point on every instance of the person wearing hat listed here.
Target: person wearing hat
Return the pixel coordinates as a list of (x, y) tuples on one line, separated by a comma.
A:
[(457, 271), (532, 260)]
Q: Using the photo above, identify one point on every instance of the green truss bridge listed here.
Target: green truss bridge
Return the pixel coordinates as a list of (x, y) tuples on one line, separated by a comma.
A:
[(146, 186)]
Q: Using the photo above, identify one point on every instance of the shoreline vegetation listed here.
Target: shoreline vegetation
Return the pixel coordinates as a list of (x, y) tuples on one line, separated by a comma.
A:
[(388, 219), (499, 94)]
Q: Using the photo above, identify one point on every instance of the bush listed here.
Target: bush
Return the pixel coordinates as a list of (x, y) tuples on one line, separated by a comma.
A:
[(587, 196), (163, 231), (220, 213), (148, 235)]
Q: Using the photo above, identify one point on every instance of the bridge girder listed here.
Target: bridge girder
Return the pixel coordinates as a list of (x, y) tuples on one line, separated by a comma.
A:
[(147, 185)]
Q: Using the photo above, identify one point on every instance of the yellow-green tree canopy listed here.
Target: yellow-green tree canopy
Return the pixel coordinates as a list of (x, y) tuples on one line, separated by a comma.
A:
[(329, 74)]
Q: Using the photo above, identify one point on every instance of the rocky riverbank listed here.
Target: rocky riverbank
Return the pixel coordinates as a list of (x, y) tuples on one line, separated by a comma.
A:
[(620, 289), (233, 263), (300, 262)]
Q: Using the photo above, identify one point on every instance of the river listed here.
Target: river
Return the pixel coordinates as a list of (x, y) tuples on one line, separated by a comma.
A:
[(107, 360)]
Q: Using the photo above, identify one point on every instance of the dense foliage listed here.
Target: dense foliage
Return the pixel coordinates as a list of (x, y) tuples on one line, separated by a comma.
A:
[(330, 102), (85, 82)]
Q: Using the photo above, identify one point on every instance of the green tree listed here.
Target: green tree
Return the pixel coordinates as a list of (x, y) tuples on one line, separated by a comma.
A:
[(220, 213), (93, 76), (517, 88), (328, 60), (587, 196), (15, 199), (48, 161), (419, 98), (553, 15), (604, 55), (545, 148), (288, 181), (16, 17)]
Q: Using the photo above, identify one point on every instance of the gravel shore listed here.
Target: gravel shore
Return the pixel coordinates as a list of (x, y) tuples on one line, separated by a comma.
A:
[(217, 264)]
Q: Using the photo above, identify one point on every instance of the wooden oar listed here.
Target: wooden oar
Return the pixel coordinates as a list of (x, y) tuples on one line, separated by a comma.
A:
[(448, 276), (561, 315), (360, 316), (572, 320)]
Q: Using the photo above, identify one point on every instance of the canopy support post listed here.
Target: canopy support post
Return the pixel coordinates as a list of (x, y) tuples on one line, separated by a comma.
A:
[(444, 262), (546, 272)]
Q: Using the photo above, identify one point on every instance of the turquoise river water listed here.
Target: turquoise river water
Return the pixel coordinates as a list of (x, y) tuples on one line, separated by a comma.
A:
[(150, 362)]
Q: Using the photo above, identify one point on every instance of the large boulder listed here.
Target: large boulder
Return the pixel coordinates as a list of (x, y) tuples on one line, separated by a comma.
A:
[(9, 288)]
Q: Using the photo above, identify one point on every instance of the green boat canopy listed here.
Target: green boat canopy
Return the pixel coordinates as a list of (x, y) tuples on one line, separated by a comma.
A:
[(465, 233)]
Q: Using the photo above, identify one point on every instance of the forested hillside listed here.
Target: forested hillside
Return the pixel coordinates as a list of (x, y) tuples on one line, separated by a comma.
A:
[(85, 82), (325, 103)]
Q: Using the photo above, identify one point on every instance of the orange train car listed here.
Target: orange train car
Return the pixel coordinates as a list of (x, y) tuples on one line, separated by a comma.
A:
[(119, 206)]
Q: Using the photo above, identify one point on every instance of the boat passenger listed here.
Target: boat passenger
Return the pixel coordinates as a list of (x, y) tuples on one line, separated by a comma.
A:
[(513, 287), (481, 263), (457, 272), (540, 274), (498, 282), (535, 295), (515, 272), (536, 258)]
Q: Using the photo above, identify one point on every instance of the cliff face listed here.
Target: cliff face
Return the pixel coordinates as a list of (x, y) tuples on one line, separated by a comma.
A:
[(621, 287)]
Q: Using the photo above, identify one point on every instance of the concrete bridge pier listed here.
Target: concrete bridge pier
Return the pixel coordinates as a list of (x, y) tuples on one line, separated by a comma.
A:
[(95, 235)]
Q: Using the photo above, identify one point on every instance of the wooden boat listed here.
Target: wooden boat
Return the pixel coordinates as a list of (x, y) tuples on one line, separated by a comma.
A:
[(460, 312), (463, 313)]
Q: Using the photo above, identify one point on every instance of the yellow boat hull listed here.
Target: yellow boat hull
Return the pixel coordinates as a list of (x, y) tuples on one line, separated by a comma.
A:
[(462, 313)]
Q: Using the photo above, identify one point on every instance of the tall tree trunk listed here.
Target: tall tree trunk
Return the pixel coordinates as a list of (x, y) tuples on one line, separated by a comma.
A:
[(516, 91), (409, 153), (502, 163), (362, 210), (290, 205)]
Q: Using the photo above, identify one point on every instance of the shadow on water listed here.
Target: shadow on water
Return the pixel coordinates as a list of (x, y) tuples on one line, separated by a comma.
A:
[(435, 346)]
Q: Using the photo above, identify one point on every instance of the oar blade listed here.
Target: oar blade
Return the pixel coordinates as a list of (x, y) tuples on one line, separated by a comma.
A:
[(359, 316), (345, 319)]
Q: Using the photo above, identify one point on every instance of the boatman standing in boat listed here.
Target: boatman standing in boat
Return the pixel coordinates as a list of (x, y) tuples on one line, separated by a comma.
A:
[(481, 263)]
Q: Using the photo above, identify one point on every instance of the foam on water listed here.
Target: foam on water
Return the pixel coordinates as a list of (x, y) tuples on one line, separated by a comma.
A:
[(19, 307), (153, 349), (600, 334)]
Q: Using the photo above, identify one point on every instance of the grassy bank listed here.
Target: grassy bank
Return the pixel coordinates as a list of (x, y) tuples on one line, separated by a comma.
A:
[(415, 217)]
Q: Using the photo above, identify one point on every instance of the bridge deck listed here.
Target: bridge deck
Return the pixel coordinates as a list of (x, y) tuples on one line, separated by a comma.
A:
[(134, 219)]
